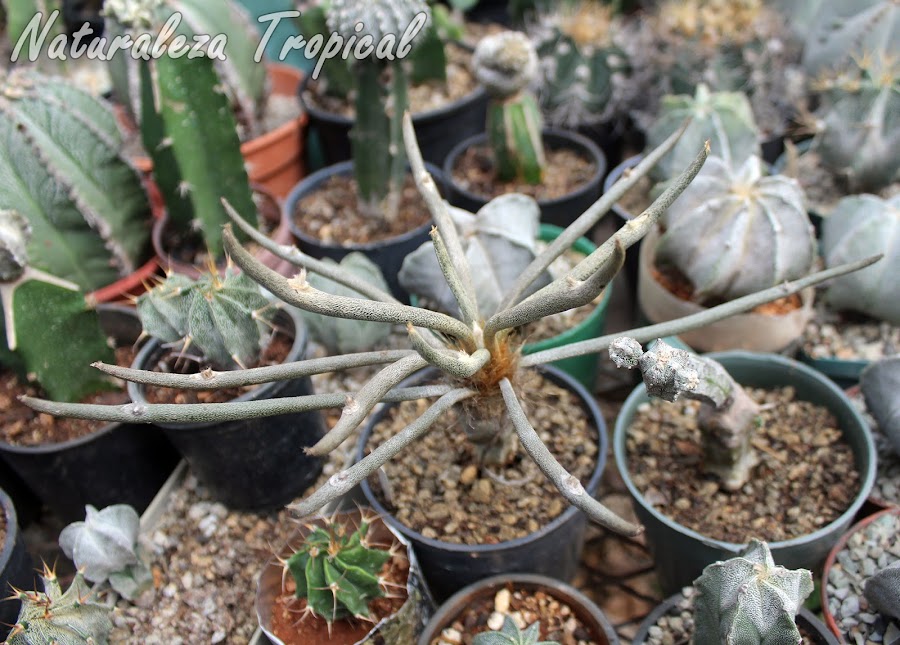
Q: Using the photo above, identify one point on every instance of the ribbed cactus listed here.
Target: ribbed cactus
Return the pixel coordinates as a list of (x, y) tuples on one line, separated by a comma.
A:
[(57, 618), (725, 119), (758, 226), (104, 547), (748, 600), (61, 167), (863, 225), (880, 385), (506, 64), (20, 13), (510, 634), (223, 317), (345, 336), (338, 570), (883, 590), (843, 31)]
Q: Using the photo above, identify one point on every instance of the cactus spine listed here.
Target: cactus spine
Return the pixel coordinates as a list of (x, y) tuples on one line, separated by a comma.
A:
[(748, 600), (63, 170), (510, 634), (506, 63), (759, 224), (57, 618)]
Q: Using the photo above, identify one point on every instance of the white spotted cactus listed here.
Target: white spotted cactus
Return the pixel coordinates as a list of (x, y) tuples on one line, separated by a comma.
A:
[(734, 231), (748, 600), (863, 225), (379, 18), (883, 590), (510, 634)]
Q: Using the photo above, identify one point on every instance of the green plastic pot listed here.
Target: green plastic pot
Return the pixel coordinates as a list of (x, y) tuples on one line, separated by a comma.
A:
[(681, 553), (844, 373)]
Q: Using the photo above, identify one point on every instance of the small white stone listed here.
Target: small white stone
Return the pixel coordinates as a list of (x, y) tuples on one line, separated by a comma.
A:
[(495, 621), (501, 601)]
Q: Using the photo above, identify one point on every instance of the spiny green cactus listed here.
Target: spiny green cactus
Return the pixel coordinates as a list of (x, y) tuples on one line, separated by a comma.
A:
[(338, 570), (61, 167), (224, 317), (105, 547), (57, 618), (748, 600), (759, 224), (844, 31), (861, 225), (725, 119), (506, 63), (883, 590), (510, 634)]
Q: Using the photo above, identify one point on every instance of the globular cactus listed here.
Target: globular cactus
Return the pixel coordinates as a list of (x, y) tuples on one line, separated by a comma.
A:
[(378, 19), (506, 64), (880, 385), (346, 336), (63, 169), (883, 590), (104, 547), (748, 600), (757, 225), (863, 225), (338, 570), (510, 634), (224, 317), (843, 31), (725, 119), (57, 618)]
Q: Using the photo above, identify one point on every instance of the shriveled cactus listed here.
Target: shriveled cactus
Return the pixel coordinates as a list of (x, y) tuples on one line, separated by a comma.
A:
[(510, 634), (61, 167), (748, 600), (338, 570), (224, 317), (863, 225), (883, 590), (104, 547), (843, 31), (880, 384), (345, 336), (758, 226), (57, 618), (506, 64), (722, 118)]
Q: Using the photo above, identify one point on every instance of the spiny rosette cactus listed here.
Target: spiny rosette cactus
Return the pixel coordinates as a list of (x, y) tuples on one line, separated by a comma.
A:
[(63, 170), (883, 590), (758, 223), (843, 31), (104, 547), (338, 570), (57, 618), (510, 634), (748, 600), (506, 64), (226, 318), (478, 355), (861, 225)]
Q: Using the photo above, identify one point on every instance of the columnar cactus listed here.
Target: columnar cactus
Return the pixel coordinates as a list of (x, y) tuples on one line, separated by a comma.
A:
[(506, 64), (883, 590), (725, 119), (843, 31), (749, 600), (20, 13), (759, 224), (861, 225), (57, 618), (510, 634), (60, 150), (223, 317), (338, 570)]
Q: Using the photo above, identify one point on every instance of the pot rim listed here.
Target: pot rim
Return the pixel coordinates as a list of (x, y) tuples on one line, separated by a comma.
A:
[(573, 139), (639, 395), (591, 408), (12, 529)]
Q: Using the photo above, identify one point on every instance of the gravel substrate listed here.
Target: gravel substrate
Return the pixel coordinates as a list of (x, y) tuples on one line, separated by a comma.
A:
[(866, 552), (830, 334)]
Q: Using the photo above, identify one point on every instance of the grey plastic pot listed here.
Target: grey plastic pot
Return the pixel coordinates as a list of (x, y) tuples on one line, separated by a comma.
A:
[(806, 621), (582, 607), (681, 553), (554, 550), (15, 565)]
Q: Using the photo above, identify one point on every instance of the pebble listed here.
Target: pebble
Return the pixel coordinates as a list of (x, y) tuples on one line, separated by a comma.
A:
[(828, 335)]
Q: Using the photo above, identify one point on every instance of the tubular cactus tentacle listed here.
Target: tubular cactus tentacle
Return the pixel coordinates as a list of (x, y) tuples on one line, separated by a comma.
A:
[(759, 224), (506, 64), (883, 590), (749, 600), (510, 634)]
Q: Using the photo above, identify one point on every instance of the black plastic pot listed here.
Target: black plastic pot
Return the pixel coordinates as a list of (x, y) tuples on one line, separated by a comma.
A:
[(15, 566), (250, 464), (681, 553), (436, 130), (806, 621), (559, 212), (119, 464), (582, 607), (554, 550), (387, 254)]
